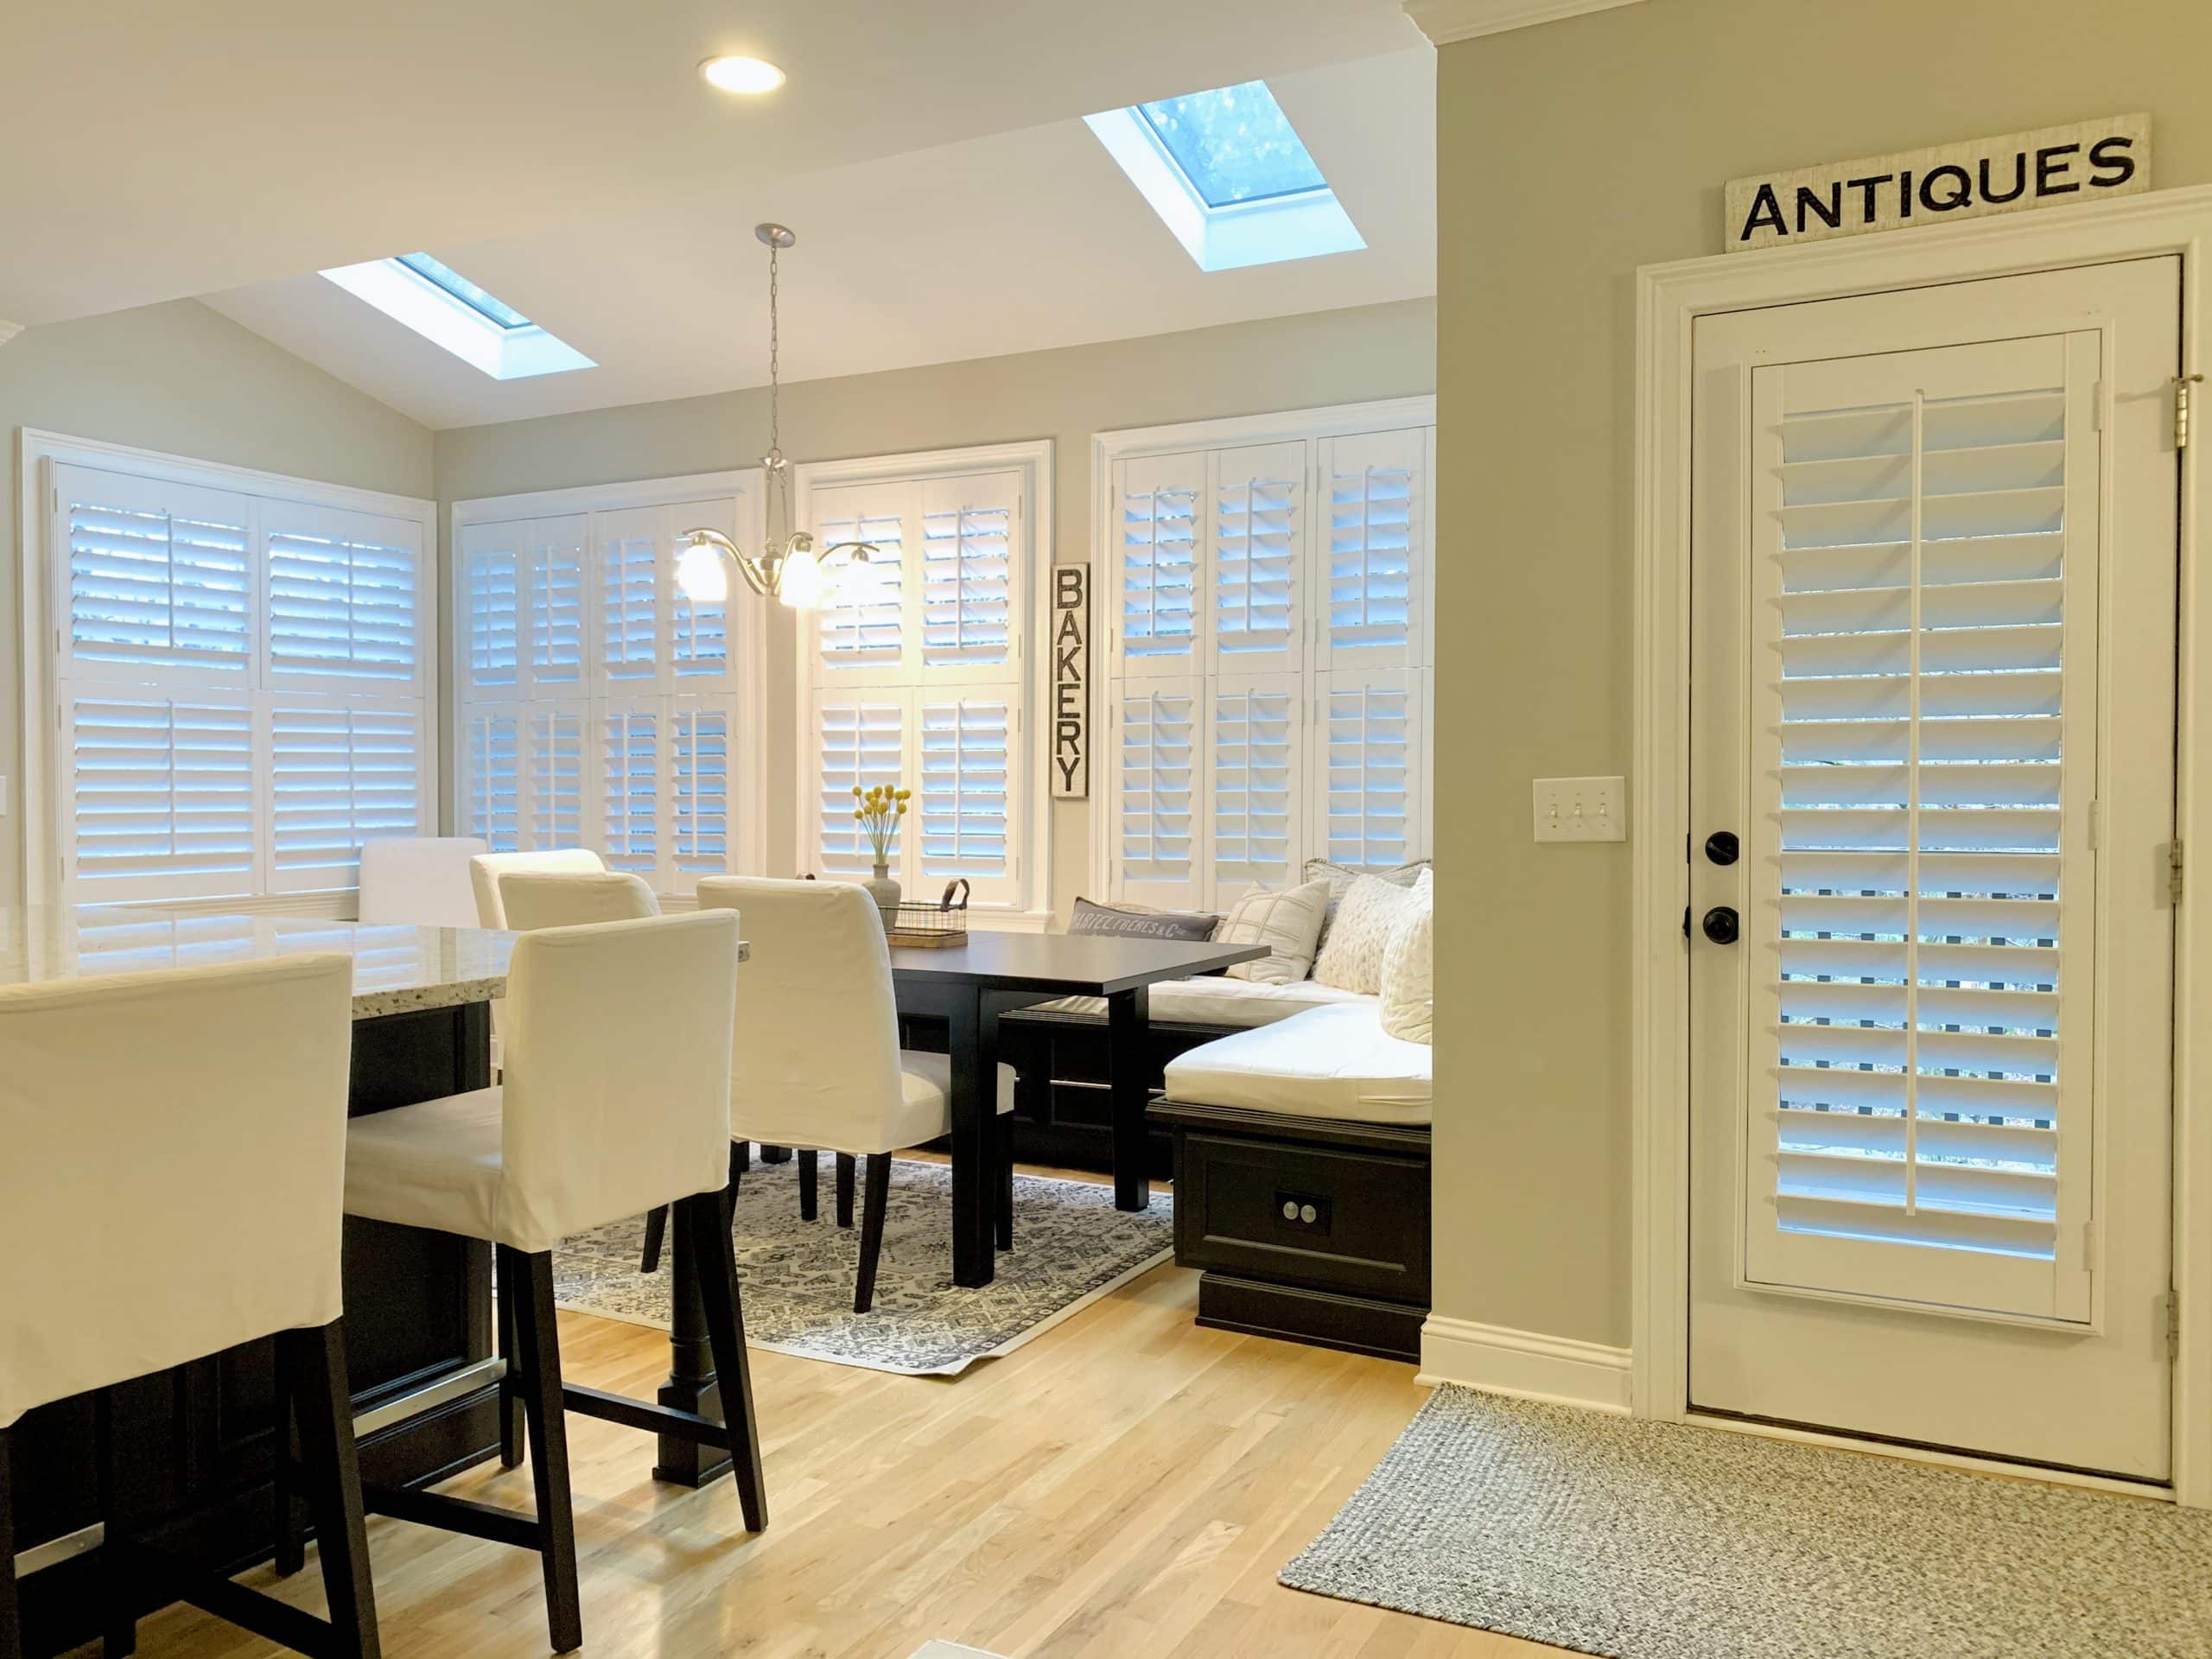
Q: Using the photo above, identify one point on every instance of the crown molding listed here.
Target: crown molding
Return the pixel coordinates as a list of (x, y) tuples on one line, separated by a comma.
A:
[(1446, 21), (9, 330)]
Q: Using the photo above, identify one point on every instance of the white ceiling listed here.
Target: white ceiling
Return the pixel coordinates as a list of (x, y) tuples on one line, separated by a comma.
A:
[(949, 202)]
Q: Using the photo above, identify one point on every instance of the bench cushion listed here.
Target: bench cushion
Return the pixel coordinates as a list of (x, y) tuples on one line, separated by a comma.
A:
[(1327, 1062), (1216, 1001)]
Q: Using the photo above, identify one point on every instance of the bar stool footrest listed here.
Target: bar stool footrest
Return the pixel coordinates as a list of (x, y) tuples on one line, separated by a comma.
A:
[(460, 1514), (652, 1418), (250, 1610)]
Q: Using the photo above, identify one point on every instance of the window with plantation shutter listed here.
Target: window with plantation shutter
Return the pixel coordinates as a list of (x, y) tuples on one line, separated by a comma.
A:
[(240, 678), (1270, 578), (1923, 743), (628, 734), (919, 668), (492, 740)]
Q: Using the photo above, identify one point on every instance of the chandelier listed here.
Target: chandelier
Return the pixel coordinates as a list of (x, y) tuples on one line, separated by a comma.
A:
[(798, 572)]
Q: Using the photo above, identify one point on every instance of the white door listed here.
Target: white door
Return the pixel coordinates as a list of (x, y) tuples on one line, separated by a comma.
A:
[(1933, 595)]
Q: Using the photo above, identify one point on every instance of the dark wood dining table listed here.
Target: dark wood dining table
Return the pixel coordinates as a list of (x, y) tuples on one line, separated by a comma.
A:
[(968, 986)]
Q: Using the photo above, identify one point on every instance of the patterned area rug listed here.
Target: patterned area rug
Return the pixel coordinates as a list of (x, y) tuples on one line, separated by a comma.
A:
[(1071, 1247), (1659, 1541)]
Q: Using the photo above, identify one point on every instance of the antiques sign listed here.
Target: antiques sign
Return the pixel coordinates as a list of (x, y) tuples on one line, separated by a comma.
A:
[(1070, 682), (2086, 161)]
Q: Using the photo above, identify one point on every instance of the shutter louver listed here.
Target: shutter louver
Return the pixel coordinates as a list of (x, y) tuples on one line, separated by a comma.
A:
[(494, 603), (967, 577), (344, 604), (555, 777), (556, 605), (159, 577), (1258, 546), (338, 775), (700, 829), (862, 624), (1933, 886), (163, 798), (1157, 597), (493, 742), (630, 789), (629, 597), (1257, 742), (966, 747), (859, 745), (1371, 737), (1157, 848), (1377, 484)]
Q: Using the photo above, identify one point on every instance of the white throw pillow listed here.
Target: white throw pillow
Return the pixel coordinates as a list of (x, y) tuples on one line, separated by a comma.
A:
[(1409, 968), (1351, 957), (1340, 878), (1286, 921)]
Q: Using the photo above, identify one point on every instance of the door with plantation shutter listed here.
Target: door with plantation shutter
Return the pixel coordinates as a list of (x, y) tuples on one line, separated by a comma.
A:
[(1934, 593)]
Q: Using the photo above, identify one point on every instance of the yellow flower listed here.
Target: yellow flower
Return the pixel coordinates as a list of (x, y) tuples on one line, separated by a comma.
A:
[(902, 808), (857, 816), (856, 791), (905, 794)]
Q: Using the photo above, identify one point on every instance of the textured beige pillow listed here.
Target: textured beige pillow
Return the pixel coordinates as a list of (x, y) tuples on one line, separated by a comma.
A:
[(1409, 968), (1340, 878), (1352, 955), (1288, 921)]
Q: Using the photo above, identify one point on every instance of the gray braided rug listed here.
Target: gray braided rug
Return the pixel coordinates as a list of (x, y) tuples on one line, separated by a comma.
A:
[(1655, 1540), (1071, 1247)]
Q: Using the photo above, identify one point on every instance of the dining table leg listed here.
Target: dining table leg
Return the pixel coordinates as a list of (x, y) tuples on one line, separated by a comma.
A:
[(692, 1384), (971, 1043), (1128, 1092)]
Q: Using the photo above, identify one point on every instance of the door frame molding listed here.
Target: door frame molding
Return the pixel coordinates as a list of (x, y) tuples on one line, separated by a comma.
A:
[(1670, 300)]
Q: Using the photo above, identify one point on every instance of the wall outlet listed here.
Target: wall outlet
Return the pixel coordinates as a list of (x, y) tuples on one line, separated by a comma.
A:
[(1581, 809)]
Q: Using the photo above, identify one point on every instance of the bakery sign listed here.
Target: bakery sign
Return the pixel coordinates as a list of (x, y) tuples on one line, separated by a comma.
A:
[(1071, 752), (2086, 161)]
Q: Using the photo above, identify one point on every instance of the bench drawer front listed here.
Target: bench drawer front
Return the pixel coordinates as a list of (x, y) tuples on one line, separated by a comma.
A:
[(1333, 1217)]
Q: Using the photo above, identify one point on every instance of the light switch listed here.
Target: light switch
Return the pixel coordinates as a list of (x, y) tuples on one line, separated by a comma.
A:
[(1581, 809)]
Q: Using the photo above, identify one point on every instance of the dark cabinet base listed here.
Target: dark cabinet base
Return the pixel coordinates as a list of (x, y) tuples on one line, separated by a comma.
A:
[(1312, 1229)]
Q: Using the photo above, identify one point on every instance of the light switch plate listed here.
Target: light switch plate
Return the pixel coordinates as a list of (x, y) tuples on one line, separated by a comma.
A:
[(1581, 809)]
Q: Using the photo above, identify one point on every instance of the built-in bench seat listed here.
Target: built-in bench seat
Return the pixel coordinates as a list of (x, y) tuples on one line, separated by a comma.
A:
[(1216, 1000), (1301, 1161)]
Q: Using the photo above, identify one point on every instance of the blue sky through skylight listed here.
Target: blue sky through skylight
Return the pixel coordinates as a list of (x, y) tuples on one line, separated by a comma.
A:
[(434, 270), (1233, 143)]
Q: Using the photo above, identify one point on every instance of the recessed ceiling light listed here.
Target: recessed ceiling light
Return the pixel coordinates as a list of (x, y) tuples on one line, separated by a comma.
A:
[(748, 75)]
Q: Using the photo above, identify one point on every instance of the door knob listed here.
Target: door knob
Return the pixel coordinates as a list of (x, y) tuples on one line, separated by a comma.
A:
[(1721, 847), (1720, 925)]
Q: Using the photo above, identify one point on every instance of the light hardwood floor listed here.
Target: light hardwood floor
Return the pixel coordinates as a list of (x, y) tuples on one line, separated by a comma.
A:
[(1125, 1487)]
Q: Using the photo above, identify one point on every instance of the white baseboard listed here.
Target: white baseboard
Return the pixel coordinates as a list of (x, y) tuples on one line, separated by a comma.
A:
[(1526, 1364)]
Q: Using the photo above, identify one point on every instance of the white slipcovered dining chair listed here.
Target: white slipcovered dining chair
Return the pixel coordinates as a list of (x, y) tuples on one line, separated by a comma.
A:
[(615, 1099), (536, 898), (816, 1062), (175, 1147), (486, 871), (424, 881)]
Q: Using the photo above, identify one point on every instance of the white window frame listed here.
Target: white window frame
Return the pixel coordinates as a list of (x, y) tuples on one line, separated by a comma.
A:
[(746, 632), (1314, 427), (1029, 797), (40, 453)]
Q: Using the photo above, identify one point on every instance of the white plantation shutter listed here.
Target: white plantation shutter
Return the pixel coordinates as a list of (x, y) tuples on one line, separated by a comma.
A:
[(1927, 559), (340, 774), (1157, 803), (632, 757), (699, 803), (1153, 568), (968, 770), (345, 600), (523, 596), (1376, 485), (1257, 539), (856, 745), (630, 604), (159, 578), (970, 592), (1257, 755), (1371, 744), (861, 629), (553, 775), (491, 766), (162, 800)]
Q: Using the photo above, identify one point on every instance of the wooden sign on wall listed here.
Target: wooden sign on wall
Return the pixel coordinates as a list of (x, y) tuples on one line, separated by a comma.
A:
[(1070, 682), (2086, 161)]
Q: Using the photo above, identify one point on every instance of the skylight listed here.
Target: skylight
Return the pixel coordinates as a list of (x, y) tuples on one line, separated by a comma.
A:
[(449, 310), (1228, 175)]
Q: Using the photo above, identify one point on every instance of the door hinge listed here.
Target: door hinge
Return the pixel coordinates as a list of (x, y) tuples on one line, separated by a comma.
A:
[(2174, 871), (2184, 399), (2173, 1324)]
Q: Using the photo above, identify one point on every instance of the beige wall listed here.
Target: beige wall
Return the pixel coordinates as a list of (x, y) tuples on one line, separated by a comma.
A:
[(1569, 155), (182, 380), (1328, 357)]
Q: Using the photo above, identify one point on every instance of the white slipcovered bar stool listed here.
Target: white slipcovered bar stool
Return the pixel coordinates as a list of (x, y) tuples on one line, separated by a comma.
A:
[(420, 879), (817, 1062), (184, 1133), (615, 1099), (487, 871)]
